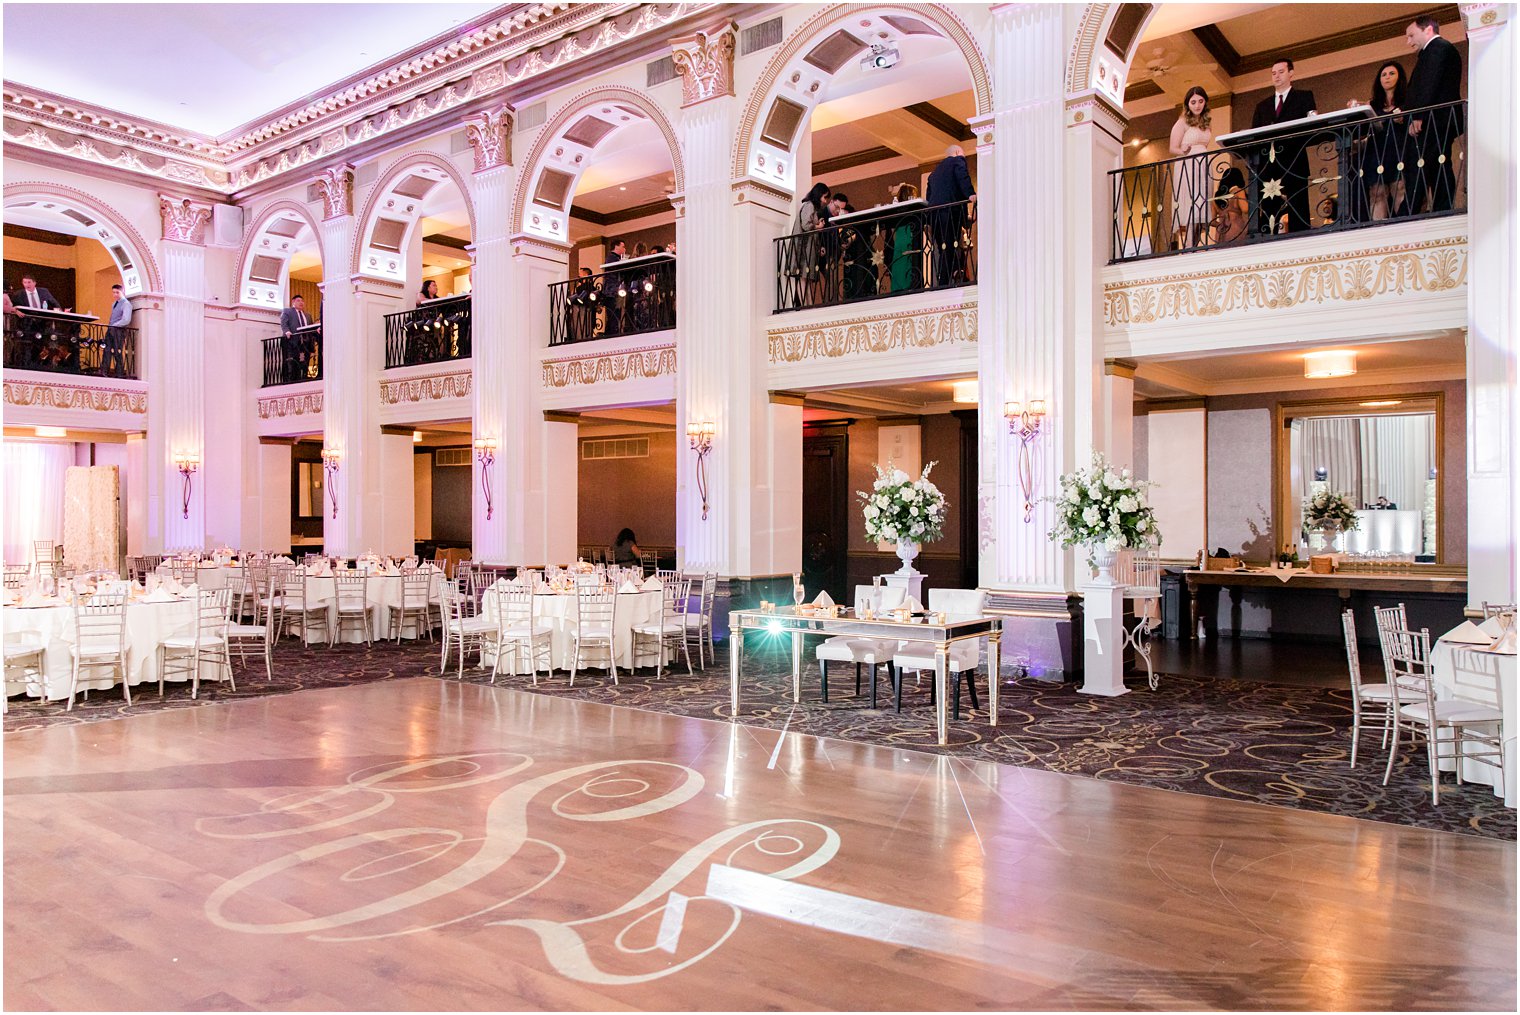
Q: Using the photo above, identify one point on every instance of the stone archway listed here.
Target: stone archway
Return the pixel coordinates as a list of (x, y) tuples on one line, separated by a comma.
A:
[(394, 207), (75, 208), (1094, 63), (263, 262)]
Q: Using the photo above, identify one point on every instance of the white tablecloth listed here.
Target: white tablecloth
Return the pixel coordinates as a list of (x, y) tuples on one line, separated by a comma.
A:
[(148, 624), (561, 610), (1487, 678), (381, 592), (209, 577)]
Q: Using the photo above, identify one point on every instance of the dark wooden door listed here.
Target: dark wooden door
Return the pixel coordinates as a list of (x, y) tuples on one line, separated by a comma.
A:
[(969, 507), (825, 513)]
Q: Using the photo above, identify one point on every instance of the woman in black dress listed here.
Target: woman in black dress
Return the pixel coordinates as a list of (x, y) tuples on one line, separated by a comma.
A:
[(1377, 166)]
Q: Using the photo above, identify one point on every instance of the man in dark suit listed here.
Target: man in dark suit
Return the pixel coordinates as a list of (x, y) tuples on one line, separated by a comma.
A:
[(1284, 180), (952, 202), (30, 333), (1437, 78), (293, 347)]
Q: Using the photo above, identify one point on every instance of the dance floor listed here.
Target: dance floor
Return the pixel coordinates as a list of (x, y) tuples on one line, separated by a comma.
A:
[(429, 844)]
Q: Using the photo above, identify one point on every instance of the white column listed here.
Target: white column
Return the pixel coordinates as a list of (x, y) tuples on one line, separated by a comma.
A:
[(1492, 327), (173, 368), (137, 492), (559, 480)]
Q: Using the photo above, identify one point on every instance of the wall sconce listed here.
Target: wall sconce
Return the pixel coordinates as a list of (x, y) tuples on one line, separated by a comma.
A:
[(701, 437), (1024, 423), (331, 459), (187, 463), (485, 453)]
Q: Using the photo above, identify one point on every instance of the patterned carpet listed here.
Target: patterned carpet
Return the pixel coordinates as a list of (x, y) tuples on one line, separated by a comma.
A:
[(1273, 744)]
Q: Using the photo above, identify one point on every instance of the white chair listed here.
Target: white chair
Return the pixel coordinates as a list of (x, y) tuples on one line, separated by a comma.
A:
[(299, 604), (207, 643), (26, 653), (100, 641), (416, 605), (16, 575), (42, 554), (259, 634), (596, 614), (1448, 727), (461, 626), (669, 631), (1368, 701), (1490, 610), (353, 606), (862, 651), (518, 628), (964, 656), (1140, 574), (1389, 620), (699, 623)]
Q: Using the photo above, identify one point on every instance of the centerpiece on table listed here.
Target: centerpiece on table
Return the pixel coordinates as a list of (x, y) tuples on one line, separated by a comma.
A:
[(1105, 510), (1327, 514), (905, 511)]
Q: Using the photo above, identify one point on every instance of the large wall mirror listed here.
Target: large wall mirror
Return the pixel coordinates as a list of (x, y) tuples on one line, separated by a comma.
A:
[(1384, 454), (308, 489)]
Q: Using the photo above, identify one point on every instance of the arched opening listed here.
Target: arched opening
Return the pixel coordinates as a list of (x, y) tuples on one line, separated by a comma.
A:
[(63, 256), (282, 260), (869, 102)]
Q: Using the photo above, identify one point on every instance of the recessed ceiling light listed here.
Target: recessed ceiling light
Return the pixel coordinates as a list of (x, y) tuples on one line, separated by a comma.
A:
[(964, 392), (1385, 403), (622, 188), (416, 436), (1331, 363), (50, 431)]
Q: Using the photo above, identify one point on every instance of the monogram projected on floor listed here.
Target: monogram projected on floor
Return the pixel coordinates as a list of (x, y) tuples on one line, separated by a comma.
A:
[(405, 880)]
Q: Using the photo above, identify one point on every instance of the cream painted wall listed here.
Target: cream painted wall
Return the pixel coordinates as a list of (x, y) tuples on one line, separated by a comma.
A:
[(1176, 449)]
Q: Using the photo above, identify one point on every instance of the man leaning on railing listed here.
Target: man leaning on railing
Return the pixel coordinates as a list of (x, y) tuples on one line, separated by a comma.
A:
[(114, 364), (1437, 79)]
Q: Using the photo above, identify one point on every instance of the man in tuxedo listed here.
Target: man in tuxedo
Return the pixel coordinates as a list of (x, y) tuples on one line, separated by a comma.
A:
[(1283, 181), (952, 203), (114, 362), (1437, 78), (31, 296), (292, 347)]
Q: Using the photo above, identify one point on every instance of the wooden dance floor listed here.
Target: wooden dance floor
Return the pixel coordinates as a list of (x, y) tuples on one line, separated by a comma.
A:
[(426, 844)]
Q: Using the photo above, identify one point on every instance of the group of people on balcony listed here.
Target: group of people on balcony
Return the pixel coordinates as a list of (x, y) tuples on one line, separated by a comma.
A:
[(624, 301), (889, 249), (35, 342), (435, 330), (1400, 161)]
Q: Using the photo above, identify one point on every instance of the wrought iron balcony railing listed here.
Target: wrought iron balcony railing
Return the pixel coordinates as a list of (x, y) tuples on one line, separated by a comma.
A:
[(885, 251), (1348, 174), (434, 332), (35, 342), (635, 297), (294, 359)]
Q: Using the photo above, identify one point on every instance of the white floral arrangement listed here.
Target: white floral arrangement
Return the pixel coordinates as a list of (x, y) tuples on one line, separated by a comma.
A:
[(1322, 508), (1104, 506), (899, 509)]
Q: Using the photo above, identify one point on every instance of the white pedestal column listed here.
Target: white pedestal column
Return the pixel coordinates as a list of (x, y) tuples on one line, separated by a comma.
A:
[(1103, 640), (1493, 331)]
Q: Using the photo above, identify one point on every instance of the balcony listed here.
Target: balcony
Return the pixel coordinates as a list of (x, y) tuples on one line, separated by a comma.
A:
[(295, 359), (436, 332), (880, 252), (637, 297), (1343, 175), (34, 342)]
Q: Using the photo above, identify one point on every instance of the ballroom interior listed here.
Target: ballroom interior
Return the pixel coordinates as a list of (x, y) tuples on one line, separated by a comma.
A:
[(928, 515)]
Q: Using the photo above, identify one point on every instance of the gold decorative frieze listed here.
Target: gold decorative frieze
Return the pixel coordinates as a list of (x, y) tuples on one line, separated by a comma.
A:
[(307, 403), (917, 329), (626, 365), (76, 396), (705, 62), (428, 388), (1431, 266)]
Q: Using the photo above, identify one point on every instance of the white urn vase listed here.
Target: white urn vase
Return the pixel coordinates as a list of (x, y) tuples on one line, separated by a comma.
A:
[(906, 551), (1103, 559)]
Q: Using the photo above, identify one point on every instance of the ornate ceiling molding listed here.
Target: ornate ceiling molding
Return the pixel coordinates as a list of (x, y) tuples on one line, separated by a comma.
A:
[(915, 329)]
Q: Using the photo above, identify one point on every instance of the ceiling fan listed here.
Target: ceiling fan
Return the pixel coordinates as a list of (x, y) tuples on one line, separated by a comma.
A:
[(1165, 71)]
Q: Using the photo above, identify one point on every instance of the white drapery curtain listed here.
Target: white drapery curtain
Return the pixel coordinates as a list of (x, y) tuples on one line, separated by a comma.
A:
[(33, 497), (1397, 453), (1333, 443)]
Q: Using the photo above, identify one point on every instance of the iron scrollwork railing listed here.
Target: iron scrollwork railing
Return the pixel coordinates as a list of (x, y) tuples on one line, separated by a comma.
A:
[(436, 331), (1346, 175), (293, 359), (34, 342), (620, 301), (886, 253)]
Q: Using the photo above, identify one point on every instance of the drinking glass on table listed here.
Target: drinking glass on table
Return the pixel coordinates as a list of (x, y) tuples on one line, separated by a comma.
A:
[(799, 593)]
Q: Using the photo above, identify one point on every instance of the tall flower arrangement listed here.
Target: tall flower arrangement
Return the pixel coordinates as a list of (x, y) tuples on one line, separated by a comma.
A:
[(1104, 508), (900, 509), (1323, 508)]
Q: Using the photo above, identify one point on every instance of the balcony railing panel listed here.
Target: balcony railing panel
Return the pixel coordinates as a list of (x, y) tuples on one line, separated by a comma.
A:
[(433, 333), (294, 359), (1347, 175), (888, 252), (636, 297), (33, 342)]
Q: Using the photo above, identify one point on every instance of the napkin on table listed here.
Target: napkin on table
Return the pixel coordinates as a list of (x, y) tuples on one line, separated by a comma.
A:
[(628, 586), (1468, 633), (160, 595), (653, 585), (823, 600), (913, 605)]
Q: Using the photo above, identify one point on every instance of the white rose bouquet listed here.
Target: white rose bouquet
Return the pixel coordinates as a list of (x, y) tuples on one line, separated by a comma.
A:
[(1323, 508), (1104, 506), (899, 509)]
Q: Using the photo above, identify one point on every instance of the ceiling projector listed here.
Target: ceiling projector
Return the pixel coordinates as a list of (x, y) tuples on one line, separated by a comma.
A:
[(881, 58)]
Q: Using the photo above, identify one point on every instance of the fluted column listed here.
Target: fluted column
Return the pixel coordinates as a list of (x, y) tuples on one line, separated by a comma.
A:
[(174, 364), (1493, 331)]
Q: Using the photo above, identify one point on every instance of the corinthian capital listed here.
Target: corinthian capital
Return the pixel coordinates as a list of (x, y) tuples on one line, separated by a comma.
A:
[(705, 62), (184, 220), (490, 134), (336, 188)]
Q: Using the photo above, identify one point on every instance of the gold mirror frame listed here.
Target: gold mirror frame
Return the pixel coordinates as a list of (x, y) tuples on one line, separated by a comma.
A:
[(1284, 413)]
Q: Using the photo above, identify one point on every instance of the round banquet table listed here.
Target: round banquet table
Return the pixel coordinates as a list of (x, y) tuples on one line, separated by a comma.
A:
[(148, 624), (561, 611), (1470, 673), (381, 591)]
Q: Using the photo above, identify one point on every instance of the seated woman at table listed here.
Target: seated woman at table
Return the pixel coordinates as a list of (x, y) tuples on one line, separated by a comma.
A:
[(626, 550)]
